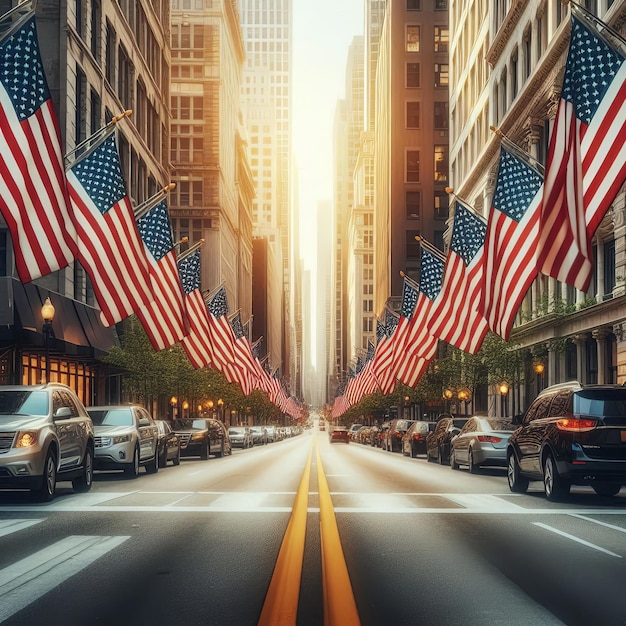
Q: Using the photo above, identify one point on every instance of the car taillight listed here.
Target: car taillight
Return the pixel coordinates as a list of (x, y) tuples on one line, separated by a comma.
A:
[(576, 425), (489, 439), (417, 436), (397, 434)]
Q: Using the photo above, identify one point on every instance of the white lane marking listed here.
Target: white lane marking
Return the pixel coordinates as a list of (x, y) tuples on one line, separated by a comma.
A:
[(15, 525), (32, 577), (576, 539), (482, 502), (596, 521)]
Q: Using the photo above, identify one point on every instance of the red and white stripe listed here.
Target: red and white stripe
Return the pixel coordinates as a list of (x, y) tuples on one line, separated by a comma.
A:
[(196, 343)]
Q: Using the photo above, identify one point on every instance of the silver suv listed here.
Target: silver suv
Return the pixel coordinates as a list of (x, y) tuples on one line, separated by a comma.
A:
[(126, 437), (46, 436)]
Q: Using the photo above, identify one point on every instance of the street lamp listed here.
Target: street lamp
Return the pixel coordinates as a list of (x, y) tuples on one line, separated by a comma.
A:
[(503, 388), (538, 368), (447, 396), (173, 403), (47, 313), (220, 405), (185, 409)]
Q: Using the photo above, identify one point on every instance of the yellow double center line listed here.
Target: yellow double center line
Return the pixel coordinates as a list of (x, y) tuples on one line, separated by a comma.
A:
[(281, 603)]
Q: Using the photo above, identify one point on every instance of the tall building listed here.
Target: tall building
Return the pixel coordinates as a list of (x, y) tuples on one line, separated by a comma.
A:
[(323, 300), (411, 140), (208, 146), (99, 58), (570, 334), (266, 92)]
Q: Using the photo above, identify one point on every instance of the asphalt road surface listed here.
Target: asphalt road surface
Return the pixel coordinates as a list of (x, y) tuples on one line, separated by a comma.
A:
[(421, 544)]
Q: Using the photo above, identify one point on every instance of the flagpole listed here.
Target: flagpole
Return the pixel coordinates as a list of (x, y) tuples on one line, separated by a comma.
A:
[(183, 255), (596, 23), (150, 203), (409, 279), (19, 11), (99, 135), (466, 204), (430, 248), (518, 152)]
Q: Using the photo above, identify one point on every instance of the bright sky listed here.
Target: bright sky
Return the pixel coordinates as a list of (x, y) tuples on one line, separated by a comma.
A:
[(322, 33)]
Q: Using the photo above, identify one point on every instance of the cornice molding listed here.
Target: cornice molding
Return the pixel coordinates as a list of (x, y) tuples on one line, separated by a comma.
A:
[(505, 31)]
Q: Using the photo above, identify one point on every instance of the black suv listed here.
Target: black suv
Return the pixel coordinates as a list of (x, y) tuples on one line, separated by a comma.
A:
[(572, 434), (438, 442), (202, 437)]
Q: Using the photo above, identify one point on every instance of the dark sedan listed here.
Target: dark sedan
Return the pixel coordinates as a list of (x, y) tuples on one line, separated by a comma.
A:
[(414, 440), (481, 442), (339, 434), (438, 442), (168, 444)]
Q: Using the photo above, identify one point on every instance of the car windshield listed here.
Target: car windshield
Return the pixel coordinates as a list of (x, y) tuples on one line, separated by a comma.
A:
[(236, 431), (111, 417), (499, 425), (184, 424), (601, 403), (22, 402)]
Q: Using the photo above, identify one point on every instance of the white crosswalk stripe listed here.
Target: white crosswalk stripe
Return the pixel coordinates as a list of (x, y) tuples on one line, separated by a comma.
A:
[(14, 525)]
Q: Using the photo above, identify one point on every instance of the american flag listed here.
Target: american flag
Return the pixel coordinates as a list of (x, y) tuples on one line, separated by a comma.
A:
[(454, 317), (109, 245), (383, 358), (243, 356), (33, 193), (415, 344), (164, 319), (196, 343), (221, 335), (510, 259), (586, 164)]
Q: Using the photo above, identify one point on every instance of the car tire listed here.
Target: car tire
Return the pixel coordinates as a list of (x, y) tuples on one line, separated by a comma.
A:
[(439, 456), (607, 489), (46, 491), (413, 452), (473, 467), (517, 482), (176, 460), (132, 470), (220, 454), (82, 483), (163, 457), (453, 464), (428, 457), (555, 487), (152, 467)]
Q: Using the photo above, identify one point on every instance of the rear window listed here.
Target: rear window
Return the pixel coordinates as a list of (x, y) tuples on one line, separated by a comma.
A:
[(500, 425), (601, 403), (114, 417)]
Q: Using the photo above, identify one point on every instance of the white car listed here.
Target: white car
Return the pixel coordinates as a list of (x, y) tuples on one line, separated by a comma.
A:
[(126, 438)]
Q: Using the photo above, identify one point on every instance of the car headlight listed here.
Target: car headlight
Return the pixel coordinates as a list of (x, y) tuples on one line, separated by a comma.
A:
[(121, 439), (26, 439), (198, 436)]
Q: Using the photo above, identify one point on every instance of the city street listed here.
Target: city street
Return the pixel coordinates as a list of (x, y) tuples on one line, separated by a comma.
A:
[(198, 543)]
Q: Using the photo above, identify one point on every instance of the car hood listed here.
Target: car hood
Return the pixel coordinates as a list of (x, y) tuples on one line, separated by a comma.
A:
[(113, 430), (21, 422)]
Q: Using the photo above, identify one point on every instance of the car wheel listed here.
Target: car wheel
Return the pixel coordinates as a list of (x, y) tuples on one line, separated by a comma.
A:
[(439, 456), (132, 471), (163, 457), (607, 489), (517, 482), (46, 492), (204, 453), (429, 458), (176, 460), (413, 451), (82, 484), (153, 466), (554, 486), (473, 467), (220, 454), (453, 464)]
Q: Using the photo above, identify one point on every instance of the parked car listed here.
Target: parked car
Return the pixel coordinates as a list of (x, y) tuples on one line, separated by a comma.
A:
[(322, 425), (438, 441), (571, 434), (202, 437), (481, 442), (46, 436), (380, 435), (392, 439), (339, 434), (414, 439), (354, 428), (240, 437), (259, 435), (271, 434), (168, 444), (126, 438)]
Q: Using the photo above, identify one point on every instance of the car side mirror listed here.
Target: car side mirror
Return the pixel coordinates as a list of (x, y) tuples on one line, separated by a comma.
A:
[(144, 421), (63, 412)]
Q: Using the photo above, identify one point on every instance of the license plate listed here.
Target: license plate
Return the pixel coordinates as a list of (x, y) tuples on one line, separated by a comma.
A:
[(623, 435)]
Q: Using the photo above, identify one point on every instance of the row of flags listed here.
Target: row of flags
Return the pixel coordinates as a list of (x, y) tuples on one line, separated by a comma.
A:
[(538, 221), (59, 214)]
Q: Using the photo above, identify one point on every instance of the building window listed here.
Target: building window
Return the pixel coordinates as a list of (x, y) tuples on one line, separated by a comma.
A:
[(80, 18), (4, 253), (412, 75), (441, 163), (412, 114), (80, 115), (441, 5), (441, 74), (441, 205), (413, 204), (441, 39), (413, 249), (96, 20), (609, 268), (412, 38), (413, 5), (125, 77), (438, 240), (95, 120), (441, 115), (110, 54), (412, 166)]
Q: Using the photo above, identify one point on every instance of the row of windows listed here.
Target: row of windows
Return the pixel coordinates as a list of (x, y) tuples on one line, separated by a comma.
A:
[(441, 36), (440, 115), (416, 5), (413, 204), (413, 78), (412, 172)]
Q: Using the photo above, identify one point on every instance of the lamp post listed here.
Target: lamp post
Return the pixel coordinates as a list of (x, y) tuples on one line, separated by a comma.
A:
[(538, 368), (220, 406), (465, 397), (503, 388), (173, 403), (47, 313), (447, 396), (185, 409)]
